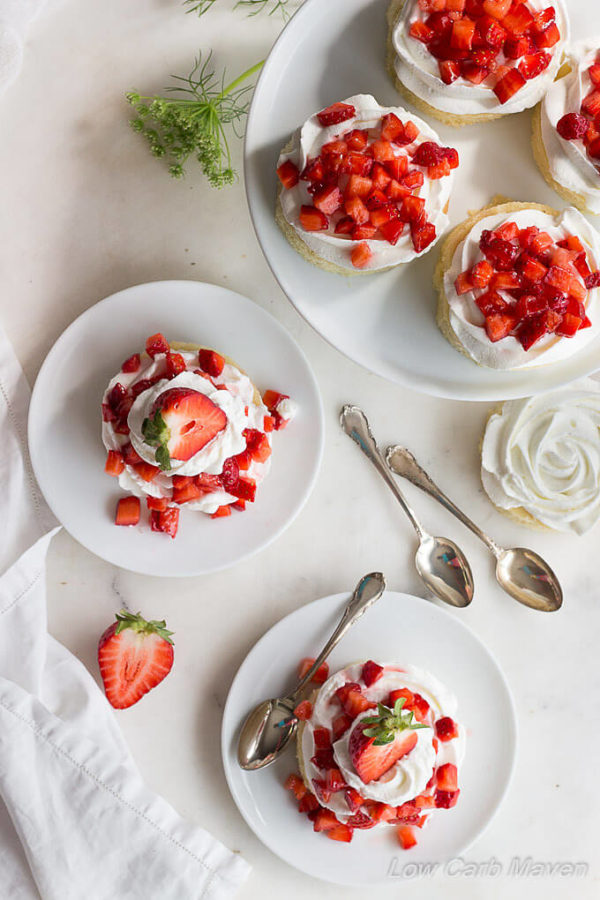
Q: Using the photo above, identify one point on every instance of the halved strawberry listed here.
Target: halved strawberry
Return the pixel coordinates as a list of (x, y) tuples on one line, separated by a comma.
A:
[(134, 656), (320, 676), (336, 113), (165, 521), (182, 421), (128, 511), (378, 742)]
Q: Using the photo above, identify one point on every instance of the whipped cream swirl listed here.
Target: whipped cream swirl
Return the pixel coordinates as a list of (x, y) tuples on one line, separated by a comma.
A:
[(418, 70), (236, 399), (568, 161), (542, 454), (467, 321), (408, 777), (307, 143)]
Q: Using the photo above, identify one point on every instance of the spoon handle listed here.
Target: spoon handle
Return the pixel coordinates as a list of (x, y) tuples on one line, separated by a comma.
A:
[(367, 591), (402, 462), (355, 424)]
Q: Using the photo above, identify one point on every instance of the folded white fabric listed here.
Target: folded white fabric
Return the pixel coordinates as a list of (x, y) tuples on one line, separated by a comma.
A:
[(15, 16), (76, 821)]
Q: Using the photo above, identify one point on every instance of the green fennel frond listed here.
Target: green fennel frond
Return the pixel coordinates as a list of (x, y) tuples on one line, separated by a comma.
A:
[(194, 123), (253, 7)]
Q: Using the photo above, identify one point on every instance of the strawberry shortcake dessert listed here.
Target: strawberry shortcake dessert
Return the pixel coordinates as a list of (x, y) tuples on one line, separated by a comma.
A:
[(185, 428), (377, 745), (468, 61), (519, 285), (364, 187), (566, 130)]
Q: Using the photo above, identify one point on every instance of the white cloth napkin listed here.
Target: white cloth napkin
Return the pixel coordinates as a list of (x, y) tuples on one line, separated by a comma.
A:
[(15, 16), (76, 821)]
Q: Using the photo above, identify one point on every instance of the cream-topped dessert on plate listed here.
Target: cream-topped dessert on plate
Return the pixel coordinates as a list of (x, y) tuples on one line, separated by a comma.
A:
[(540, 458), (566, 129), (185, 427), (473, 60), (519, 285), (364, 187), (377, 744)]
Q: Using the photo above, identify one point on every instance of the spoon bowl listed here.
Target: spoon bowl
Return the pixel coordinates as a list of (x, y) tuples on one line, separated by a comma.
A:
[(266, 732), (529, 579), (445, 571)]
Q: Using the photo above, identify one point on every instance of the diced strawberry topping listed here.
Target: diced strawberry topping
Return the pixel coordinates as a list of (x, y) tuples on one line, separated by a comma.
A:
[(325, 820), (447, 777), (221, 512), (322, 738), (371, 672), (446, 728), (446, 799), (308, 804), (340, 833), (295, 784), (245, 489), (131, 364), (115, 463), (353, 799), (175, 364), (406, 836), (361, 255), (288, 174), (320, 676), (210, 362), (584, 124), (128, 511), (336, 113), (304, 710), (158, 503), (312, 219), (156, 343)]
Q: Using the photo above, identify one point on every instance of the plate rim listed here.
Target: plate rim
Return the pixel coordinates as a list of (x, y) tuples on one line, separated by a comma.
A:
[(422, 385), (337, 597), (111, 298)]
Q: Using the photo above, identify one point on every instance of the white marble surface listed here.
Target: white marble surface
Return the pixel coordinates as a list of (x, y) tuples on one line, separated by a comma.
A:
[(86, 211)]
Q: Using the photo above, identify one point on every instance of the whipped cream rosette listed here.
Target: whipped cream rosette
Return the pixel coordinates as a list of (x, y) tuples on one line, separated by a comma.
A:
[(540, 458), (185, 427), (519, 286), (378, 744), (473, 60), (364, 187), (566, 136)]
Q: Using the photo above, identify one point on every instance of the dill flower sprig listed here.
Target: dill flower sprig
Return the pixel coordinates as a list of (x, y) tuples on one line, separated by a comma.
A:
[(253, 7), (194, 122)]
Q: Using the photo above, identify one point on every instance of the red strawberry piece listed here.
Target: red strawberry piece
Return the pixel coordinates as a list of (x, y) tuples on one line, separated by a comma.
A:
[(407, 813), (424, 801), (114, 463), (322, 739), (532, 269), (372, 761), (379, 812), (340, 833), (509, 231), (406, 836), (533, 64), (156, 343), (569, 326), (591, 103), (531, 330), (129, 455), (382, 151), (166, 522), (354, 703), (518, 20), (358, 186), (320, 676), (392, 230), (260, 448), (243, 459), (516, 47), (343, 691), (288, 174), (359, 165), (421, 32), (428, 154), (449, 70), (157, 503), (335, 781), (325, 820), (464, 283), (131, 364), (422, 235), (420, 707), (396, 191), (413, 209), (340, 726), (447, 777), (577, 289), (208, 483), (357, 139), (328, 200), (371, 672), (593, 281), (544, 18), (134, 656), (462, 34), (230, 474), (472, 72), (312, 219), (119, 400), (529, 305), (361, 254), (413, 179), (221, 512), (353, 799), (383, 215), (142, 385), (496, 8), (501, 253), (446, 728), (323, 759), (506, 281), (439, 170), (313, 171), (548, 37), (304, 710), (210, 362), (268, 424), (446, 799), (499, 326), (508, 85), (180, 481), (240, 505), (182, 421), (559, 278), (175, 364), (146, 470), (245, 489), (295, 784), (360, 820), (409, 133), (336, 113), (308, 804), (355, 208), (481, 274), (187, 492), (397, 166), (128, 511), (391, 127), (377, 199), (491, 302)]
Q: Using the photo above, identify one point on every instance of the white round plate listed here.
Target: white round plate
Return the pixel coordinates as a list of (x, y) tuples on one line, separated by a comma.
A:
[(403, 628), (332, 50), (65, 422)]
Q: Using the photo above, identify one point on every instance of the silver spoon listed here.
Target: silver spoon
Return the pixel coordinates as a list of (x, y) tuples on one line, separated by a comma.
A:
[(271, 725), (520, 572), (440, 563)]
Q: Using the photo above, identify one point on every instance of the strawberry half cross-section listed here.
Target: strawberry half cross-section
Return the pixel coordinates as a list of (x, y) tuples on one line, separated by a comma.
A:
[(181, 423), (378, 742)]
